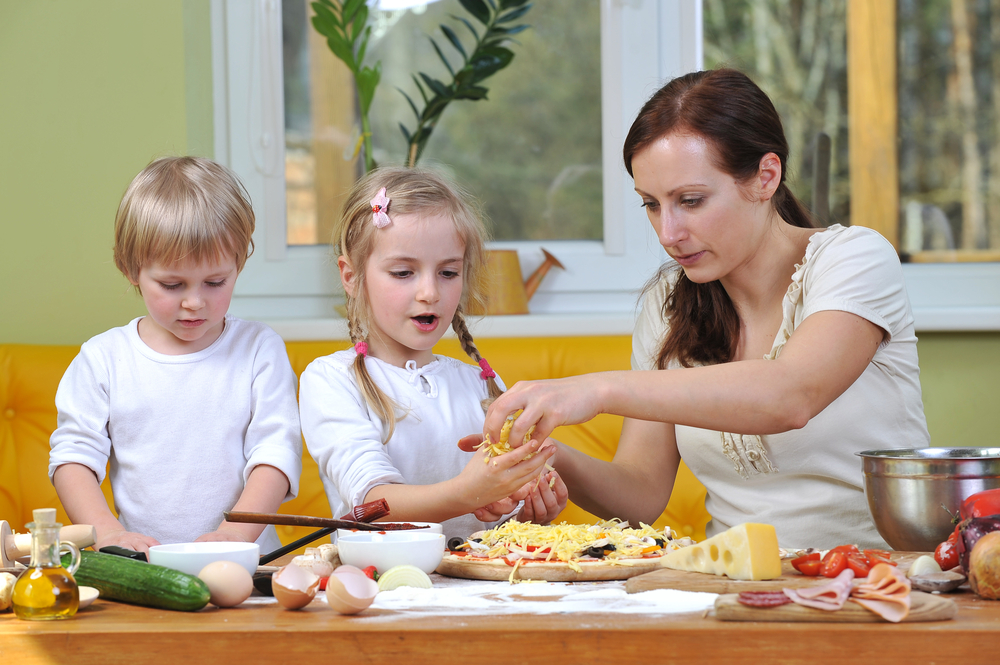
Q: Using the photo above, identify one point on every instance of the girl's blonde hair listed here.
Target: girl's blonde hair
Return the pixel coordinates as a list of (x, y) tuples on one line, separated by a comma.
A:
[(182, 208), (411, 191)]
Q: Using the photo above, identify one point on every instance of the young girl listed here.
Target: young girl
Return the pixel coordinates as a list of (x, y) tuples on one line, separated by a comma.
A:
[(382, 420)]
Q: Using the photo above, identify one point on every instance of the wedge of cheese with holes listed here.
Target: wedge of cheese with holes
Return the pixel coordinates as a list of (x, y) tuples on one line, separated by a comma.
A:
[(744, 552)]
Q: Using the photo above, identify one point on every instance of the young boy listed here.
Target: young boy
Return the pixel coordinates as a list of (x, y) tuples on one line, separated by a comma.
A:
[(195, 409)]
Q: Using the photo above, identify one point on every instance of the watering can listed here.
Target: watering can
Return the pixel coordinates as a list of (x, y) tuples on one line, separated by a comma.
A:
[(506, 294)]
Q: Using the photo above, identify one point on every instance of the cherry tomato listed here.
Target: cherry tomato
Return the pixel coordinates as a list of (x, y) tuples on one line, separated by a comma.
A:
[(879, 556), (322, 583), (371, 572), (946, 555), (846, 549), (807, 562), (859, 564), (834, 564)]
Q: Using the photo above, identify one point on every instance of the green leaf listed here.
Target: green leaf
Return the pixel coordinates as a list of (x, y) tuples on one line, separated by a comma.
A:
[(326, 14), (419, 87), (489, 61), (453, 38), (435, 108), (406, 133), (475, 35), (473, 92), (437, 87), (358, 24), (367, 80), (493, 5), (412, 105), (342, 50), (510, 4), (350, 8), (478, 9), (364, 44), (443, 59), (514, 15)]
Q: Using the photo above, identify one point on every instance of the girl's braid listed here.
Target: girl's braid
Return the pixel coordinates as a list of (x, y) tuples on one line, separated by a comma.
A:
[(469, 346)]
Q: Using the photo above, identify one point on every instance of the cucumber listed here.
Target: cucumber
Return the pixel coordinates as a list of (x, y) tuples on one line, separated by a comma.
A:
[(130, 581)]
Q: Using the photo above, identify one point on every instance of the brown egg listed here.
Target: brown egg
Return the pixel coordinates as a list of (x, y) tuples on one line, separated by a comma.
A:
[(294, 587), (349, 590), (229, 583)]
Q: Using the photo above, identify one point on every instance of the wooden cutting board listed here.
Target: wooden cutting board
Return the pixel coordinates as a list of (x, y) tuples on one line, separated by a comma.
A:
[(683, 580), (923, 607), (497, 570)]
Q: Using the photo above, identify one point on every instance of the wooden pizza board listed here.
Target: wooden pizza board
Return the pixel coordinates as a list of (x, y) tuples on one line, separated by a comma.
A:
[(923, 607), (551, 572), (683, 580)]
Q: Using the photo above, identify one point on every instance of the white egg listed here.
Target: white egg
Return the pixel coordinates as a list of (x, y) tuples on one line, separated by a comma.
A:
[(229, 583)]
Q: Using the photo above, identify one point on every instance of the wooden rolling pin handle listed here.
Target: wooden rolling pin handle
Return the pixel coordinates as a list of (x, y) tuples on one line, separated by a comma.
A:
[(81, 535)]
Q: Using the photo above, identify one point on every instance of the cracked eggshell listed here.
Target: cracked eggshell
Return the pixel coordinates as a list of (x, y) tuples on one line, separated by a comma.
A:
[(294, 587), (349, 590)]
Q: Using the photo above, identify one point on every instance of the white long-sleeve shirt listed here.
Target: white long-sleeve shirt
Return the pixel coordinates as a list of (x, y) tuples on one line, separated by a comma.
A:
[(182, 432), (442, 402)]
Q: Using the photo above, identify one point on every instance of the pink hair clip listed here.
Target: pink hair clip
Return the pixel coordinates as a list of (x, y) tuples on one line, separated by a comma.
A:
[(379, 205), (361, 348), (487, 372)]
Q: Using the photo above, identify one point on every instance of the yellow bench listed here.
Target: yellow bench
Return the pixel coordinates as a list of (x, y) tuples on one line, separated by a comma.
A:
[(29, 375)]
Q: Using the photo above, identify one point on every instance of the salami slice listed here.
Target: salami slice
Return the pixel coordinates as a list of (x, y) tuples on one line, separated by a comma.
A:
[(763, 598)]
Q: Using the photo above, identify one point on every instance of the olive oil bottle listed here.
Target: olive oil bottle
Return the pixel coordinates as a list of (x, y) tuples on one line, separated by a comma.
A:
[(46, 590)]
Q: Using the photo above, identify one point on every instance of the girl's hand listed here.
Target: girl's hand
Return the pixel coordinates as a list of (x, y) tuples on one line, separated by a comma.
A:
[(484, 480), (127, 539), (543, 503), (547, 405), (496, 510)]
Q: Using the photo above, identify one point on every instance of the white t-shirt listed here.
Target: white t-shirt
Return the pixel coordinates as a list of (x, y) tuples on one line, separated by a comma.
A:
[(815, 497), (442, 404), (182, 432)]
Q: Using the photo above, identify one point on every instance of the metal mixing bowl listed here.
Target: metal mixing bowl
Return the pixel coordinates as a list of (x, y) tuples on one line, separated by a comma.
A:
[(913, 494)]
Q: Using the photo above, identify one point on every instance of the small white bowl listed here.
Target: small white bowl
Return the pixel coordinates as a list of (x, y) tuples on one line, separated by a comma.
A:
[(388, 549), (432, 527), (190, 558)]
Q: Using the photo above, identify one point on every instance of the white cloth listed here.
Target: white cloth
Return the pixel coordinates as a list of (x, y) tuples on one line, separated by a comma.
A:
[(442, 403), (815, 497), (182, 432)]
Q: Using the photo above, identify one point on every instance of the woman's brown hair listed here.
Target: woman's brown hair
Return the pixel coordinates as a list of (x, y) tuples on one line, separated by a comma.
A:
[(741, 124)]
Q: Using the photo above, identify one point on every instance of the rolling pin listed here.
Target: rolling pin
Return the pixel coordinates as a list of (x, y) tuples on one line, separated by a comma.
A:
[(15, 545)]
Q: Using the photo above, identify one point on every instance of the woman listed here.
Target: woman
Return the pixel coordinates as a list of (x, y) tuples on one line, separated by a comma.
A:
[(787, 348)]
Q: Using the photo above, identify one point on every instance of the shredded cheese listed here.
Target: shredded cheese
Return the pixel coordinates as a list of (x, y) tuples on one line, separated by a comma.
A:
[(503, 445), (516, 541)]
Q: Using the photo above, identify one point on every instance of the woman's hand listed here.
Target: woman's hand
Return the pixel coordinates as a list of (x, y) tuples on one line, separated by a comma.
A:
[(546, 405), (127, 539)]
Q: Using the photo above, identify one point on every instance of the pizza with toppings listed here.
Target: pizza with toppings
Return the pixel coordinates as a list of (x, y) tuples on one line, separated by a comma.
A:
[(518, 551)]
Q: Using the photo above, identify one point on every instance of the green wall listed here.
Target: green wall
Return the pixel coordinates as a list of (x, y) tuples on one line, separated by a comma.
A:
[(91, 91)]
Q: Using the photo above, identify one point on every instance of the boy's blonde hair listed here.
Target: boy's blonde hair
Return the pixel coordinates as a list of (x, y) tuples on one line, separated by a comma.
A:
[(179, 209), (411, 191)]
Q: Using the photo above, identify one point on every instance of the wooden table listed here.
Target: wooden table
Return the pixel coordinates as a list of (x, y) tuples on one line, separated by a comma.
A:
[(111, 633)]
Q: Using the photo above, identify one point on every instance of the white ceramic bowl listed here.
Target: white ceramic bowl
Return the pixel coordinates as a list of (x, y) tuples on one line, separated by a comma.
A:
[(190, 558), (392, 548), (432, 527)]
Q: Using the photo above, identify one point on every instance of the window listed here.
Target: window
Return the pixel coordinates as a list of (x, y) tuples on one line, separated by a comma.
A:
[(641, 44)]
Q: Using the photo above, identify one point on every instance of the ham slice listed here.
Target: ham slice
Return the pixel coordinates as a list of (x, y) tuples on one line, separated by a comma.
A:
[(886, 592), (830, 596)]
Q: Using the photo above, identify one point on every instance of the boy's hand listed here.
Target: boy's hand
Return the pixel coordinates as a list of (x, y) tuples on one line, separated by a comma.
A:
[(222, 534), (131, 541)]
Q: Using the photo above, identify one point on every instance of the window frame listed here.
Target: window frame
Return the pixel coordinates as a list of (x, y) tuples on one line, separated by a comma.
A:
[(642, 44), (944, 296)]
